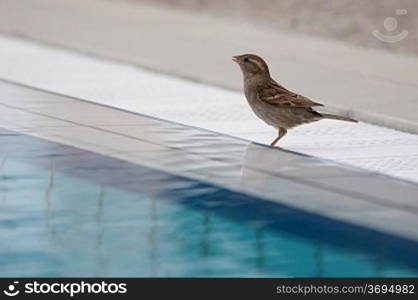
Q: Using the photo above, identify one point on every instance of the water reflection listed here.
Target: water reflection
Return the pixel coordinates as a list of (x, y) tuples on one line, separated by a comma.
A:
[(379, 261), (153, 236), (99, 215), (205, 239), (319, 259), (48, 196), (262, 158), (260, 249), (3, 180)]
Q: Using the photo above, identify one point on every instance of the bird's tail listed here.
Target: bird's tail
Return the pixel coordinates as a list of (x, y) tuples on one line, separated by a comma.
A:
[(335, 117)]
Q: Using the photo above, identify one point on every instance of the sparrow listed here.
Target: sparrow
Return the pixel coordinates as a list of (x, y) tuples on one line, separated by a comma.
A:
[(273, 103)]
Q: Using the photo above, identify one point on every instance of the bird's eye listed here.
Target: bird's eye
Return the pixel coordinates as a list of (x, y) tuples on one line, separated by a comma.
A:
[(246, 59)]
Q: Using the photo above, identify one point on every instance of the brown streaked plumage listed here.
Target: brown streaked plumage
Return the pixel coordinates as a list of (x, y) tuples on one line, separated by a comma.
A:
[(274, 104)]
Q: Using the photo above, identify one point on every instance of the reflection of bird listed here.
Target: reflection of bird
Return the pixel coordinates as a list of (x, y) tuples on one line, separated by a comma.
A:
[(273, 103)]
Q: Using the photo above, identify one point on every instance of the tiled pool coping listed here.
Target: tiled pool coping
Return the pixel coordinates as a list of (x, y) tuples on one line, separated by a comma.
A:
[(319, 187)]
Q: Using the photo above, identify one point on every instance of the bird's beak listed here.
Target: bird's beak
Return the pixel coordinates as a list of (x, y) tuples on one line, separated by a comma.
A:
[(235, 58)]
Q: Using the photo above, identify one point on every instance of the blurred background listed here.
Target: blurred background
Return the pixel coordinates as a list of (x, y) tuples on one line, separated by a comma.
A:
[(346, 20)]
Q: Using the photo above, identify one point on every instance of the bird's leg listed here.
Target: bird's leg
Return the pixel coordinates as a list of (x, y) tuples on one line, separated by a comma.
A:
[(282, 133), (275, 141)]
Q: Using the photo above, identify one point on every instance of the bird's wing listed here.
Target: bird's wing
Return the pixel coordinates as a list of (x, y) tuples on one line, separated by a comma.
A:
[(275, 94)]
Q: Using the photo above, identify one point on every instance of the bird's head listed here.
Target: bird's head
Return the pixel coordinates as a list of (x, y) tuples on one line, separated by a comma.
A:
[(252, 65)]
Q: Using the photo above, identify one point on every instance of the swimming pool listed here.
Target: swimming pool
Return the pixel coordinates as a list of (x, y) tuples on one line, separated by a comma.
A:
[(70, 212)]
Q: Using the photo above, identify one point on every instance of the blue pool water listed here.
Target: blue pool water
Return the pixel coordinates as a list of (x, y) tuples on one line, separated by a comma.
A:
[(68, 212)]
